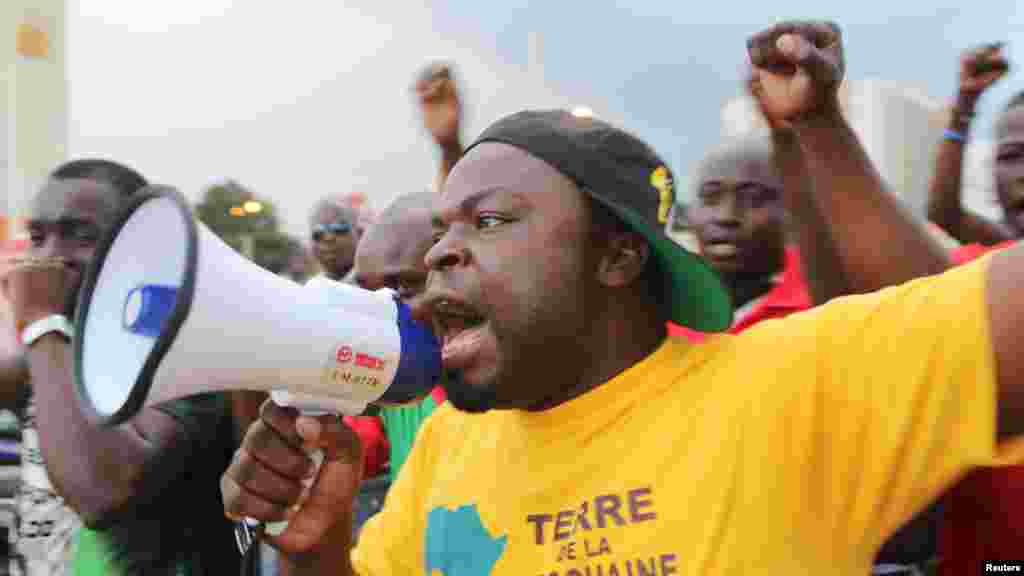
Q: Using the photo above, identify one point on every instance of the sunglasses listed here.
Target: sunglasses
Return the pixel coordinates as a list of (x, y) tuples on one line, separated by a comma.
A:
[(337, 229)]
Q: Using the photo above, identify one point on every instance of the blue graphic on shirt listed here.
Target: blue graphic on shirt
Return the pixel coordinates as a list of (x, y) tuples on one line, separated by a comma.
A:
[(459, 545)]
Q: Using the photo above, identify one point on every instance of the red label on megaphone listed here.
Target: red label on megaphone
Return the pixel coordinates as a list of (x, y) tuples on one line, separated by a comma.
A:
[(344, 354)]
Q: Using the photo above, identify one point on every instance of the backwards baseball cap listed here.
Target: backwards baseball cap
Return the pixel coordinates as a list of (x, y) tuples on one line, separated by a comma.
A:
[(625, 175)]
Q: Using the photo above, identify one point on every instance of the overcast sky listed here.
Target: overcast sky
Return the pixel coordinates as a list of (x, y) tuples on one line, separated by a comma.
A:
[(301, 99)]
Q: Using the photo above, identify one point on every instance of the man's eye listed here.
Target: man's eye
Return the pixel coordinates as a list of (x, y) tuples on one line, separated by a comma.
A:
[(85, 236), (488, 221), (761, 195), (708, 197)]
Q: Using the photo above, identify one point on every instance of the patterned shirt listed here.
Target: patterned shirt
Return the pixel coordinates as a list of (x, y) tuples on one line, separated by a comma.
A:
[(42, 543)]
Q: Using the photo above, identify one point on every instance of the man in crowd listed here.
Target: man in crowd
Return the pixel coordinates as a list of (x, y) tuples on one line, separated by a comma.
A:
[(335, 231), (144, 486), (739, 217), (983, 518), (545, 281), (391, 255)]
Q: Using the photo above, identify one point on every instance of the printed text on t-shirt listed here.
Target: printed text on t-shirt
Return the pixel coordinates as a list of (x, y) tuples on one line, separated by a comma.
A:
[(573, 532)]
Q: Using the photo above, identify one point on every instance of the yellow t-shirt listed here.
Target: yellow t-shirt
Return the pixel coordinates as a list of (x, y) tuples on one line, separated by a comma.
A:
[(796, 447)]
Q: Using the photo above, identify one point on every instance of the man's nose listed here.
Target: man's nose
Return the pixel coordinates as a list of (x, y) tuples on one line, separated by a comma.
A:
[(448, 252), (728, 210)]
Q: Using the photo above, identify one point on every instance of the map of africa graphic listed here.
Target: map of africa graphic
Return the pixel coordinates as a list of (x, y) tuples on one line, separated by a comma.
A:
[(459, 545)]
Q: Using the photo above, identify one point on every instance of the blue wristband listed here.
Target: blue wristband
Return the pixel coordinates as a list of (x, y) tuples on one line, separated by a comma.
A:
[(952, 135)]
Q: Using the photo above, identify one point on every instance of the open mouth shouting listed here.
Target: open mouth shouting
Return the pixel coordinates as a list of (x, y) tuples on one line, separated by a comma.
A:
[(462, 330)]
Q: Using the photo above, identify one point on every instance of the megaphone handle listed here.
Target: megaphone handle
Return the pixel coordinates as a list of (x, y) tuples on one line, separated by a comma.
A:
[(276, 528)]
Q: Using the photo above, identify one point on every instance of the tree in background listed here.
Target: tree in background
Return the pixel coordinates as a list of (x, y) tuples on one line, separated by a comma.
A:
[(247, 223)]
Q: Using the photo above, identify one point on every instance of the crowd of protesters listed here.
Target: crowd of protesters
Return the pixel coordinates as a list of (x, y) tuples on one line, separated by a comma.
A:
[(823, 389)]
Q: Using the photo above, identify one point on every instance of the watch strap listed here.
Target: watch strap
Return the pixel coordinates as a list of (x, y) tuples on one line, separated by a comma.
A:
[(43, 326)]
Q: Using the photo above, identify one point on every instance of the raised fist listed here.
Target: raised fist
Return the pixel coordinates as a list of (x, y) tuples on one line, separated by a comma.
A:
[(37, 288), (981, 67), (796, 70), (439, 104)]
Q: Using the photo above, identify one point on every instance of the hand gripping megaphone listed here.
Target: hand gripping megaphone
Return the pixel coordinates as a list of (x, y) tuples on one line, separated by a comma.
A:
[(167, 310)]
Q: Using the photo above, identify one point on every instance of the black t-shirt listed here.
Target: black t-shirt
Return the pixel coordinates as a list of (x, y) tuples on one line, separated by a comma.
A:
[(176, 524)]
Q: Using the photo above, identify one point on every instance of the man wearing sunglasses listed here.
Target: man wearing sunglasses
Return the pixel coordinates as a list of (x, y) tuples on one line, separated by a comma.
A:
[(335, 234)]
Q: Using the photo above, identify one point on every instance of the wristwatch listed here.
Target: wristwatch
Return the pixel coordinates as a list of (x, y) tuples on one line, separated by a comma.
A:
[(43, 326)]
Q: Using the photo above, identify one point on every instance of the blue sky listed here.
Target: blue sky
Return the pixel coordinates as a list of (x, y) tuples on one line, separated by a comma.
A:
[(312, 99)]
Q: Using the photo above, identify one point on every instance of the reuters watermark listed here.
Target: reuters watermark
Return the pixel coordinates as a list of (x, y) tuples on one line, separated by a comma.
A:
[(1003, 567)]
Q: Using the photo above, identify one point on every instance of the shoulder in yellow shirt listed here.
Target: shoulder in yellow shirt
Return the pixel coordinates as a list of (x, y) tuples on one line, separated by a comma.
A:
[(794, 448)]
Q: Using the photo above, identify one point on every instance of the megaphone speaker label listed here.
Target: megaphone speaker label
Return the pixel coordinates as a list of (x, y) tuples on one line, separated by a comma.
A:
[(361, 372)]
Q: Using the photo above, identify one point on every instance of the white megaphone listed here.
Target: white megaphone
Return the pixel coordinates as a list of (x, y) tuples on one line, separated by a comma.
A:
[(167, 310)]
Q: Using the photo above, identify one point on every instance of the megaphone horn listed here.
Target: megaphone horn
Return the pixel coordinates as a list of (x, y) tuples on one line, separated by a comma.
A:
[(167, 310)]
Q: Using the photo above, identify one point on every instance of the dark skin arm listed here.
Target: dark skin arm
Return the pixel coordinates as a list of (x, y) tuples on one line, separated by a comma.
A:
[(1006, 318), (96, 470), (864, 217), (796, 89), (329, 558), (442, 115), (866, 220), (13, 381), (979, 69), (822, 265), (264, 479), (449, 156)]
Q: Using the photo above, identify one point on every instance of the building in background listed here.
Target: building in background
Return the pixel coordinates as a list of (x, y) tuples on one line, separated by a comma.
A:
[(34, 101)]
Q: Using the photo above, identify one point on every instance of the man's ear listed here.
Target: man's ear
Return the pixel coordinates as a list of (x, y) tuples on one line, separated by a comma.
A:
[(625, 257)]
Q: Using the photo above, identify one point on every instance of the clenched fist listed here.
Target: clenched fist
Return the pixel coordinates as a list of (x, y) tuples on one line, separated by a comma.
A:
[(796, 70), (439, 104), (265, 478), (39, 287), (981, 67)]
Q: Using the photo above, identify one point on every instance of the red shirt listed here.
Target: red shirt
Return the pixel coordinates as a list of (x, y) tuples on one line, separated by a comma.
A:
[(789, 295), (983, 517), (439, 395), (376, 449), (375, 443)]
